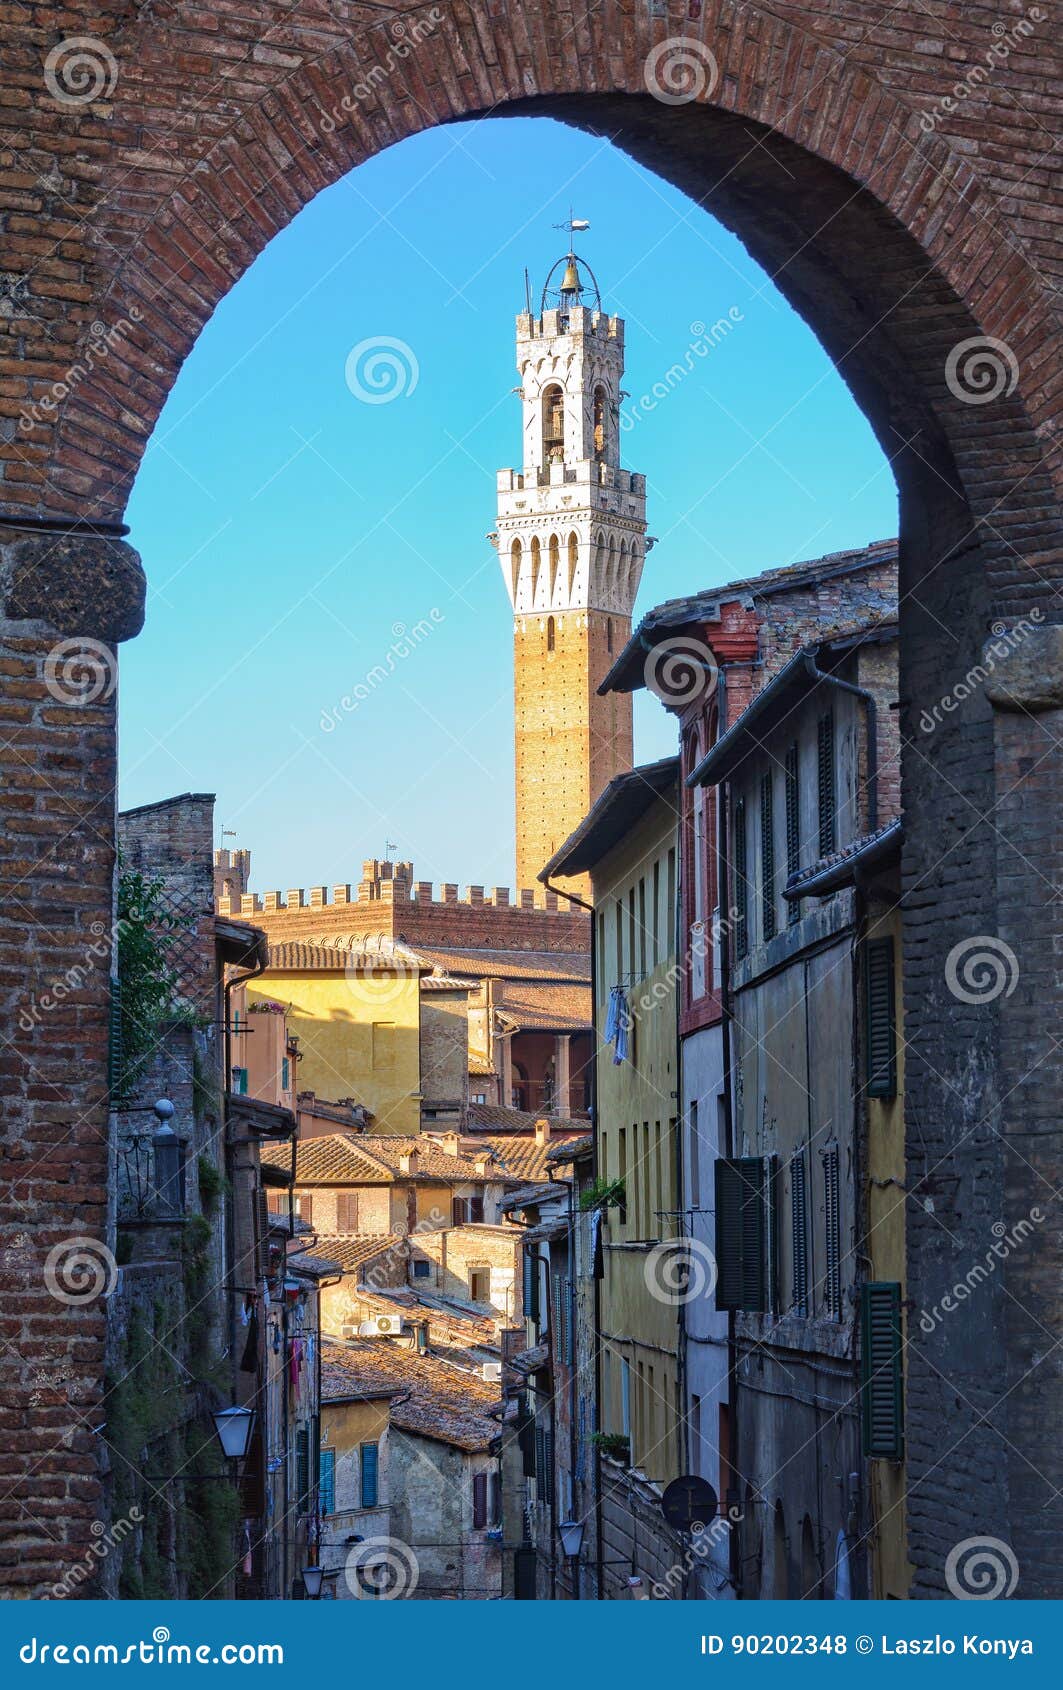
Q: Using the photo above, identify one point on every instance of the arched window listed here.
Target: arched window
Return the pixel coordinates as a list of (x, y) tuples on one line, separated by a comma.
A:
[(609, 635), (553, 424), (536, 561), (551, 634), (555, 564), (601, 404), (573, 560), (610, 571)]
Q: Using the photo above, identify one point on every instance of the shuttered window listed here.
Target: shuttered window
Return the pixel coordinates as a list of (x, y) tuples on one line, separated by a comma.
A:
[(370, 1465), (327, 1481), (793, 827), (799, 1233), (881, 1031), (544, 1464), (531, 1286), (302, 1469), (479, 1501), (741, 882), (826, 785), (882, 1382), (741, 1233), (767, 859), (260, 1230), (832, 1283), (114, 1040)]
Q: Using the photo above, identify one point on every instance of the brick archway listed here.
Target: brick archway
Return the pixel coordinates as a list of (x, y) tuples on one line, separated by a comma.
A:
[(900, 220)]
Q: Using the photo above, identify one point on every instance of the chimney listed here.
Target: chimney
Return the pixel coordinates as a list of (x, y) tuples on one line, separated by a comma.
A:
[(542, 1131), (408, 1161)]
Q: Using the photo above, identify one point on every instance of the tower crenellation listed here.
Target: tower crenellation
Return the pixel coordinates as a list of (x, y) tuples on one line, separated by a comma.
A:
[(571, 542)]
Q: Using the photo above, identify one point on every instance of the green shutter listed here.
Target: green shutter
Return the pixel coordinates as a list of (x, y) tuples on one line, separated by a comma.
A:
[(826, 785), (881, 1031), (327, 1481), (302, 1468), (832, 1287), (370, 1454), (882, 1385), (799, 1232), (767, 859), (741, 1233), (114, 1040), (793, 827), (531, 1285)]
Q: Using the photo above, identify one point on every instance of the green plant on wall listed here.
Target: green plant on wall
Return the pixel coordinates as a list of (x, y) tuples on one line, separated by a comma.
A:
[(603, 1194), (147, 980)]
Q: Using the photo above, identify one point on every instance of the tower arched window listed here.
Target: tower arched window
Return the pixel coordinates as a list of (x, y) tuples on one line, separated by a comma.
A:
[(573, 560), (551, 634), (601, 412), (553, 424), (514, 566), (536, 562), (555, 564)]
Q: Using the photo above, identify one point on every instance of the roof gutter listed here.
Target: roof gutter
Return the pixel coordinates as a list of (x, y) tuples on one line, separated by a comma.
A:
[(872, 732)]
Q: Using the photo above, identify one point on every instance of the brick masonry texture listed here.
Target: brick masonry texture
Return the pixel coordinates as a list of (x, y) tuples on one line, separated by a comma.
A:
[(898, 228)]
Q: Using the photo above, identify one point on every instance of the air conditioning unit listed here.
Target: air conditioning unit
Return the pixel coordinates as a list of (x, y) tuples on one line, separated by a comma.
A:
[(491, 1372), (381, 1326)]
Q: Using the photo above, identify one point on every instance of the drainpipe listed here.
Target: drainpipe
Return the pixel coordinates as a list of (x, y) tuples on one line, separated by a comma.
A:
[(872, 733), (723, 884)]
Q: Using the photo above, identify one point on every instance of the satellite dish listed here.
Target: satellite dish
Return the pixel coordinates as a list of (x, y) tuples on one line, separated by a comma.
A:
[(689, 1501)]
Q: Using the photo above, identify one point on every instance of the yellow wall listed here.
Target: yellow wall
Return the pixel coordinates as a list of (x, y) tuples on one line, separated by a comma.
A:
[(892, 1570), (637, 1141), (358, 1037)]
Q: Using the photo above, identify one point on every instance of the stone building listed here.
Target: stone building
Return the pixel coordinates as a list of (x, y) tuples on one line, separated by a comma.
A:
[(808, 824), (571, 542)]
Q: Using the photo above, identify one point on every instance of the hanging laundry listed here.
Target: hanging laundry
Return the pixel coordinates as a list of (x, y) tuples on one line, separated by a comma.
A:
[(249, 1359), (618, 1024)]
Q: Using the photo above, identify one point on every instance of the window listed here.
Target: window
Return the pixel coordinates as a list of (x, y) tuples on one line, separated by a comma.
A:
[(326, 1481), (742, 1199), (476, 1209), (347, 1211), (741, 882), (302, 1469), (480, 1284), (882, 1390), (551, 634), (421, 1269), (304, 1207), (793, 828), (531, 1286), (832, 1284), (799, 1233), (655, 912), (479, 1501), (495, 1503), (553, 425), (609, 635), (825, 752), (286, 1073), (459, 1210), (669, 907), (370, 1467), (642, 926), (881, 1033), (599, 421), (695, 1158), (239, 1085), (767, 859)]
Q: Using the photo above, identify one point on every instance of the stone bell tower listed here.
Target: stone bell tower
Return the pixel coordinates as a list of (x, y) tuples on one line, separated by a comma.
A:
[(571, 543)]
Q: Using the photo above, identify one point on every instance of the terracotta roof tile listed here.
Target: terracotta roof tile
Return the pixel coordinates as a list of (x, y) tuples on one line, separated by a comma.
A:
[(445, 1402), (354, 1250), (370, 1159), (538, 1005)]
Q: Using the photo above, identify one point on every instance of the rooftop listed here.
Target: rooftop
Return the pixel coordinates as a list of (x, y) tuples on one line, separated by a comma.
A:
[(445, 1402), (372, 1159)]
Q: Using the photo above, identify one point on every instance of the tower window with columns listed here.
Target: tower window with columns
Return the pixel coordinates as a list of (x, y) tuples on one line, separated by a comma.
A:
[(571, 542)]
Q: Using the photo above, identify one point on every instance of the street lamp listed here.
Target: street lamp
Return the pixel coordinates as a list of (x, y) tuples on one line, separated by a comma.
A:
[(571, 1535), (312, 1577), (233, 1427)]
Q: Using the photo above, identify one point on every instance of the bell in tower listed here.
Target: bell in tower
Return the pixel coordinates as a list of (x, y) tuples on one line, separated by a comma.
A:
[(571, 542)]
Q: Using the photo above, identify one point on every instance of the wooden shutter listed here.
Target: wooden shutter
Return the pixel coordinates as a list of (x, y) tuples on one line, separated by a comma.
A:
[(826, 784), (459, 1210), (793, 826), (570, 1321), (347, 1211), (741, 881), (767, 858), (370, 1454), (531, 1285), (479, 1501), (799, 1232), (304, 1207), (741, 1233), (476, 1209), (302, 1468), (115, 1061), (882, 1384), (832, 1246), (881, 1031), (260, 1230), (327, 1482)]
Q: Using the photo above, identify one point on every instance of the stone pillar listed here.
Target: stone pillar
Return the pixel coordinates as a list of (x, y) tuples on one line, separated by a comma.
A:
[(562, 1074), (505, 1065), (68, 596)]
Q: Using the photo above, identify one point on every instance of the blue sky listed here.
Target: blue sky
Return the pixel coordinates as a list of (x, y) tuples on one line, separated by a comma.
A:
[(291, 531)]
